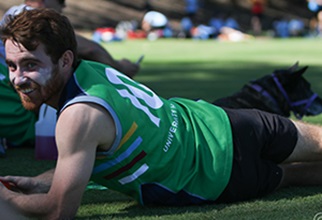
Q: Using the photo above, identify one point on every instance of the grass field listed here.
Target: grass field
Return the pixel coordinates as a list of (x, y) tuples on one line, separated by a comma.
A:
[(208, 70)]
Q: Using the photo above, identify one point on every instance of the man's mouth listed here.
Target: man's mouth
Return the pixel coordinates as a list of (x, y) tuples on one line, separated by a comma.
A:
[(26, 91)]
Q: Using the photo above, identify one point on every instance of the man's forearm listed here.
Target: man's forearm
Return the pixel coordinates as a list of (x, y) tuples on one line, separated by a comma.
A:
[(35, 205), (43, 181)]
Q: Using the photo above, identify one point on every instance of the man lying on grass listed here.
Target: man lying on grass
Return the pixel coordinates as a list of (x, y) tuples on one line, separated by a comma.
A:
[(120, 134)]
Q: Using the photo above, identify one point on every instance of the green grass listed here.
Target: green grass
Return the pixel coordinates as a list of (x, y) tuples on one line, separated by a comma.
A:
[(213, 69), (208, 70)]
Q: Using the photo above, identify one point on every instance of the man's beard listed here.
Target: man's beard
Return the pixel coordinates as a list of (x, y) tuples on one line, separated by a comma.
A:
[(53, 86)]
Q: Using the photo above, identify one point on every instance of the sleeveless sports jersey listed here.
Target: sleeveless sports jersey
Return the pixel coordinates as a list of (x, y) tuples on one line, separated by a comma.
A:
[(17, 124), (168, 152)]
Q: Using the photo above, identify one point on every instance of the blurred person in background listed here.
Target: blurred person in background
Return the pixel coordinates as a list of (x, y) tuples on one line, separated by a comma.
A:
[(257, 9), (316, 22), (153, 24), (91, 50)]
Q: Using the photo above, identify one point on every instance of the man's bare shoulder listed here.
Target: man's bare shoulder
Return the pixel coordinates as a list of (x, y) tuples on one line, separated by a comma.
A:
[(88, 123)]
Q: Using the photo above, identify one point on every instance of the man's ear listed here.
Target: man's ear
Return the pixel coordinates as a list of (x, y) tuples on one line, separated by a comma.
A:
[(66, 60)]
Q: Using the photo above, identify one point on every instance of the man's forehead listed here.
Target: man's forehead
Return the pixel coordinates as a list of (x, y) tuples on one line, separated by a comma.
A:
[(13, 46), (16, 51)]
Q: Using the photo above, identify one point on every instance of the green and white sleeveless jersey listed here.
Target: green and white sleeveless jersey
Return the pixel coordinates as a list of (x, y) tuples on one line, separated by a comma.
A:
[(171, 152), (17, 124)]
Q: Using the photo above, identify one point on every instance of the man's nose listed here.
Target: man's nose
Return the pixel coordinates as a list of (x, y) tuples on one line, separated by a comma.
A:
[(17, 77)]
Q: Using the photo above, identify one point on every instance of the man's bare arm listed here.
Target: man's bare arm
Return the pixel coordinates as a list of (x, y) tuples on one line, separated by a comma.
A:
[(80, 129)]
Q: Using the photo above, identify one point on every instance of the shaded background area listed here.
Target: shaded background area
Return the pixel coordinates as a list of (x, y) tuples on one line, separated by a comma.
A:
[(90, 14)]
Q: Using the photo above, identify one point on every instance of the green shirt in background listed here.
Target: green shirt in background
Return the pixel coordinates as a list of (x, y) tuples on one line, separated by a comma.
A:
[(17, 124)]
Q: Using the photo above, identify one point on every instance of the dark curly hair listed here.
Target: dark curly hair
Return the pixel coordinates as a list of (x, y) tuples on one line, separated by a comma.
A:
[(46, 26)]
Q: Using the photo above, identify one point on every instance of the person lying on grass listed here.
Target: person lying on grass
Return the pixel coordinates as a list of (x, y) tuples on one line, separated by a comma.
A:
[(120, 134)]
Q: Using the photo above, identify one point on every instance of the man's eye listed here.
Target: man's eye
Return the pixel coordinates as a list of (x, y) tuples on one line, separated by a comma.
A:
[(12, 66), (31, 65)]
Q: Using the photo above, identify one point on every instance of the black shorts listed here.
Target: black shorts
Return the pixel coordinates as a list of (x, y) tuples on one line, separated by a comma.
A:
[(261, 141)]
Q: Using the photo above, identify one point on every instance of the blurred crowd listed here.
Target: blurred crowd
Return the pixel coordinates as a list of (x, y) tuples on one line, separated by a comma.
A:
[(220, 25)]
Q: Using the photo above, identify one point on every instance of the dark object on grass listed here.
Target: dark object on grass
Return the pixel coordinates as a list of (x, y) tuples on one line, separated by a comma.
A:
[(282, 92), (3, 147)]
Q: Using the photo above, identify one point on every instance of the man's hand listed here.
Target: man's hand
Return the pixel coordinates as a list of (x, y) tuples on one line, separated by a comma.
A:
[(10, 185), (23, 184), (26, 185)]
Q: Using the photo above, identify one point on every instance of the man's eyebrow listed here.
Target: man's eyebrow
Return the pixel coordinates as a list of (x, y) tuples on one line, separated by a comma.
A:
[(26, 59)]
